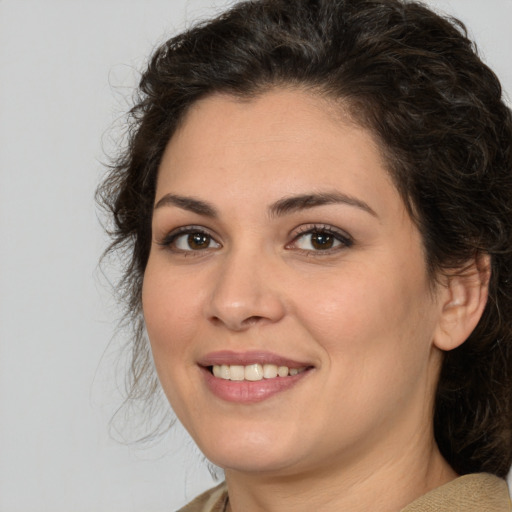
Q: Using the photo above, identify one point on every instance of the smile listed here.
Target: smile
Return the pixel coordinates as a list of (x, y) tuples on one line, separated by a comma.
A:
[(253, 372), (250, 377)]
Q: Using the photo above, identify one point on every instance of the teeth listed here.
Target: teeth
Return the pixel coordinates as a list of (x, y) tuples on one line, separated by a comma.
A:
[(253, 372), (282, 371), (236, 372), (224, 371), (269, 371)]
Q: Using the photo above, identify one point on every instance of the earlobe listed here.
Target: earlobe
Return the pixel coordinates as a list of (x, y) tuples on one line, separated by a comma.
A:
[(463, 301)]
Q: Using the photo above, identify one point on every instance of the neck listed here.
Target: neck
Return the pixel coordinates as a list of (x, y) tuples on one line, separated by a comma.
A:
[(393, 484)]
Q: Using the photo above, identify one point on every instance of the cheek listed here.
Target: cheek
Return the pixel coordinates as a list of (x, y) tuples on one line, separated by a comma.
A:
[(371, 316), (376, 336), (170, 313)]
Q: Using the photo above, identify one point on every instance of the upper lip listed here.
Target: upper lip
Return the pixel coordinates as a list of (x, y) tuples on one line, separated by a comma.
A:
[(245, 358)]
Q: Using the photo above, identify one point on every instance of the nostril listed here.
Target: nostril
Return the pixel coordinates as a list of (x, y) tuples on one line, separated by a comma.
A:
[(233, 324), (252, 320), (215, 320)]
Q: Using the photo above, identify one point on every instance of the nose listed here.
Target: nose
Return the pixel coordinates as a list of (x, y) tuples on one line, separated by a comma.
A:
[(245, 292)]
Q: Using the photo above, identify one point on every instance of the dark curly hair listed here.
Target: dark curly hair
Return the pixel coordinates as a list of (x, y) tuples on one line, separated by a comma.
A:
[(414, 79)]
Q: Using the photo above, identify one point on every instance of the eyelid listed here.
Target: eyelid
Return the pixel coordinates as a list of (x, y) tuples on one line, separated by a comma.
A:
[(170, 237), (340, 235)]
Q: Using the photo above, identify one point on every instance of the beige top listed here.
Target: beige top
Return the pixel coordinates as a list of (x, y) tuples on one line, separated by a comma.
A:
[(470, 493)]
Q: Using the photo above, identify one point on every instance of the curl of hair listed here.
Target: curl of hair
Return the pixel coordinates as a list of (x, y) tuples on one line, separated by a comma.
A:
[(415, 80)]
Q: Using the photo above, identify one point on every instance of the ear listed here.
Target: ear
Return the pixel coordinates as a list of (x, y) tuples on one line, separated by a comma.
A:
[(463, 297)]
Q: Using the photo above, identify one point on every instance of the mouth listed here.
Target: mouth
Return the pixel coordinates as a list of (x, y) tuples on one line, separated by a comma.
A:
[(251, 376), (253, 372)]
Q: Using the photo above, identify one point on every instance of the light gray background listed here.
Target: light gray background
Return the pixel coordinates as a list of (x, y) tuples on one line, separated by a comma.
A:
[(67, 70)]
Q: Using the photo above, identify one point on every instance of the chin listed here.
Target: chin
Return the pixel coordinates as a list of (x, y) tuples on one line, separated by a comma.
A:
[(250, 452)]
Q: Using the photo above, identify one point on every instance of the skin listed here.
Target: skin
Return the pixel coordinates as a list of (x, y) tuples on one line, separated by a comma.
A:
[(357, 429)]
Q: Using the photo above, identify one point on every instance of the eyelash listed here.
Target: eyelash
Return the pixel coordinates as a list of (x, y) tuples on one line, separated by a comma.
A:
[(342, 240), (170, 239)]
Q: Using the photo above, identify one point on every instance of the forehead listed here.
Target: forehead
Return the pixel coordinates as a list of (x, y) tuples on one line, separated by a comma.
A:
[(285, 141)]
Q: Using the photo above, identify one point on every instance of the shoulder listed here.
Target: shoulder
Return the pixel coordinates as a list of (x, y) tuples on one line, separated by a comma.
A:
[(479, 492), (213, 500)]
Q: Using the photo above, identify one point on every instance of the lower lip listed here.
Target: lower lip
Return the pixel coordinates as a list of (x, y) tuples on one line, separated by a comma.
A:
[(249, 392)]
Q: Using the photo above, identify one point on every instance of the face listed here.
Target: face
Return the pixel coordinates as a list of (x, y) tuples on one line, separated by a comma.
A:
[(286, 297)]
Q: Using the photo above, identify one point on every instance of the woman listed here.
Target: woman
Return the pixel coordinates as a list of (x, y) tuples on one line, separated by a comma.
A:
[(316, 201)]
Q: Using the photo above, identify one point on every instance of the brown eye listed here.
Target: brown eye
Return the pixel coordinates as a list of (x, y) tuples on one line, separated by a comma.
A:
[(191, 240), (319, 239), (322, 241), (197, 241)]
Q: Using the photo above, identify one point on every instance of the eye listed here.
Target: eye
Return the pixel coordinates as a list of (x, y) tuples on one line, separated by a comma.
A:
[(190, 239), (320, 238)]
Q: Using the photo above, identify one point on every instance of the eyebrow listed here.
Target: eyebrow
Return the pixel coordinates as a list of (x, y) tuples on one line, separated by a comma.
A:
[(188, 203), (304, 201), (280, 208)]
